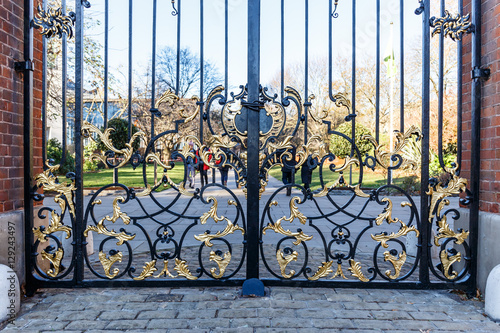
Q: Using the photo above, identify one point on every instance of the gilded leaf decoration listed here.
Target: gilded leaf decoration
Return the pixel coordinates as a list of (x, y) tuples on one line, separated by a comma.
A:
[(100, 228), (278, 228), (340, 101), (324, 270), (445, 231), (355, 270), (447, 261), (108, 262), (386, 215), (65, 191), (221, 262), (284, 260), (383, 158), (55, 259), (126, 152), (54, 226), (117, 212), (451, 26), (182, 269), (53, 22), (148, 270), (294, 212), (212, 212), (455, 186), (403, 231), (207, 237), (397, 263), (168, 97)]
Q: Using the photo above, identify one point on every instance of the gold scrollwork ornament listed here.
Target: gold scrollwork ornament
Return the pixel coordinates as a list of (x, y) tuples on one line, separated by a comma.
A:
[(355, 270), (383, 158), (53, 22), (294, 213), (108, 262), (447, 261), (212, 213), (451, 26), (182, 269), (397, 263), (55, 260), (48, 181), (100, 228), (88, 128), (221, 262), (284, 260), (54, 226), (147, 270)]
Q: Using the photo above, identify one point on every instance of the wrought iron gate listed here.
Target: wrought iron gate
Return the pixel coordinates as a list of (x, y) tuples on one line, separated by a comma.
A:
[(341, 234)]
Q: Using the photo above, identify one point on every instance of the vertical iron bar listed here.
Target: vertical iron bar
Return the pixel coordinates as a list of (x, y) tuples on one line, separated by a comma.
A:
[(424, 200), (253, 180), (330, 56), (79, 202), (306, 70), (283, 48), (44, 95), (441, 91), (475, 141), (130, 32), (353, 91), (28, 147), (226, 49), (64, 75), (106, 61), (202, 64), (401, 66), (459, 94), (178, 64), (153, 82), (377, 88)]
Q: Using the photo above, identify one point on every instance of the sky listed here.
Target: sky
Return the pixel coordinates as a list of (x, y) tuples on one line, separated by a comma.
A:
[(270, 32)]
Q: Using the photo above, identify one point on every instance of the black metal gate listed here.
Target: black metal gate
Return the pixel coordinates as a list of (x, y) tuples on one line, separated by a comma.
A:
[(320, 224)]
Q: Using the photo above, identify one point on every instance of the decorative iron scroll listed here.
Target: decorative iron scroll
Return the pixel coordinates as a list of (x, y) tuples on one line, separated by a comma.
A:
[(451, 26), (334, 13), (445, 234), (398, 160), (64, 199), (293, 260), (218, 257), (54, 23)]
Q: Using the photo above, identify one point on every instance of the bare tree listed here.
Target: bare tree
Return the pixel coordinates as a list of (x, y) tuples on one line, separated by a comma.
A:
[(190, 72)]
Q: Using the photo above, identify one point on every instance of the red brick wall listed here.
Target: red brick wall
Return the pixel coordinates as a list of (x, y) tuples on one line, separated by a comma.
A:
[(490, 112), (11, 104)]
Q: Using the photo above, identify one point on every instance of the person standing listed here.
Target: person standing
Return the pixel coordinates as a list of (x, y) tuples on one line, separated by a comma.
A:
[(203, 168), (223, 167), (191, 165), (288, 169), (236, 151), (306, 173)]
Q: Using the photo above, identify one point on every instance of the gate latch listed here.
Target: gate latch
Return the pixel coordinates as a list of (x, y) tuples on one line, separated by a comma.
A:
[(21, 66), (481, 73)]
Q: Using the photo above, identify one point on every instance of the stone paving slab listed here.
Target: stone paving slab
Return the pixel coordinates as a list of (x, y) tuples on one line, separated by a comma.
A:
[(222, 309)]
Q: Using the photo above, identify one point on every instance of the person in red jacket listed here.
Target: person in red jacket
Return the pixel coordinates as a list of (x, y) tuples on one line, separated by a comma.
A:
[(203, 168)]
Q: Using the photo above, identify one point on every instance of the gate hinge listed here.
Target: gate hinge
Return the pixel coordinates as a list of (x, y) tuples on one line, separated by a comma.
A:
[(21, 66), (480, 73)]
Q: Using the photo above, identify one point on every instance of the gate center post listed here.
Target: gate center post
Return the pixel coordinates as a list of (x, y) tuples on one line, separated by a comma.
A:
[(253, 286)]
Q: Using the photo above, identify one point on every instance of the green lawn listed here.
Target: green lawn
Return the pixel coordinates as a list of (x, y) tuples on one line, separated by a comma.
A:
[(133, 178), (130, 177), (371, 179)]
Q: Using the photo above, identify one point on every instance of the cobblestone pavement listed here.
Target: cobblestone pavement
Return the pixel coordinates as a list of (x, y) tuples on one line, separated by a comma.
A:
[(223, 310)]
